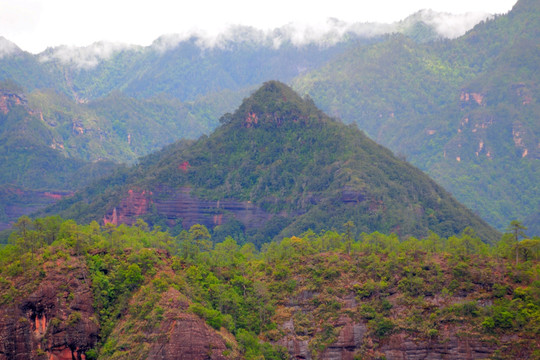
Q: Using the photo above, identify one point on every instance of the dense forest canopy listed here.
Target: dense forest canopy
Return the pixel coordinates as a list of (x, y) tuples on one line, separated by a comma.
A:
[(426, 289)]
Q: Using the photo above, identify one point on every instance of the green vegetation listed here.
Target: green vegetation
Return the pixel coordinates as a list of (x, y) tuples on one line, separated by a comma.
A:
[(428, 289), (465, 111), (52, 144), (307, 170)]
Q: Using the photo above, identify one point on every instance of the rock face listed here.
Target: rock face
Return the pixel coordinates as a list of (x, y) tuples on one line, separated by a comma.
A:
[(349, 340), (9, 99), (181, 204), (189, 339), (180, 335), (353, 338), (400, 347), (55, 321)]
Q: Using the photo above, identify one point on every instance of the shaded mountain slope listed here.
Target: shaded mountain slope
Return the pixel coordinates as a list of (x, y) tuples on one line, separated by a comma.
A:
[(32, 173), (278, 165), (51, 145), (465, 110)]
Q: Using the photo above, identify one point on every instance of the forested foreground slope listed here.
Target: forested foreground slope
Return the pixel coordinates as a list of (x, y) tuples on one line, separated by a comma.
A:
[(72, 291)]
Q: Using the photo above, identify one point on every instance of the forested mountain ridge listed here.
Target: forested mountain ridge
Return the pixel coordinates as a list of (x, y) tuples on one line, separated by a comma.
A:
[(465, 110), (32, 173), (277, 165), (186, 67)]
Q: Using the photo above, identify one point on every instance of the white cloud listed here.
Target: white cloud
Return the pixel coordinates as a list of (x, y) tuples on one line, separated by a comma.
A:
[(323, 34), (84, 57), (451, 25), (7, 47), (37, 24)]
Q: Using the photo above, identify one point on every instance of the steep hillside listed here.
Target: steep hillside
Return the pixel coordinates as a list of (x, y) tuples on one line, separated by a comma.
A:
[(119, 128), (277, 166), (51, 145), (417, 96), (465, 110), (32, 173), (69, 291)]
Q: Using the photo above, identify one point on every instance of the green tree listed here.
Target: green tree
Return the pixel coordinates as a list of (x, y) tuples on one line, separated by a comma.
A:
[(349, 225), (194, 241), (516, 229), (25, 237)]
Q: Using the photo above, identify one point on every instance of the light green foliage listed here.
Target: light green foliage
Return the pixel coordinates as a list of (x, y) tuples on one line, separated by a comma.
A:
[(247, 292)]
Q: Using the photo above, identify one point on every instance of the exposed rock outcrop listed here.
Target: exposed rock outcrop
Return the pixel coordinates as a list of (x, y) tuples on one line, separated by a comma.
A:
[(189, 338), (181, 204), (9, 99), (55, 321), (180, 335)]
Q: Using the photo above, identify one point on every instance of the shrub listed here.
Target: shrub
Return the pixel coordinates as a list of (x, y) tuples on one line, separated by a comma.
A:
[(503, 319), (381, 326), (488, 324), (367, 312), (212, 317), (74, 318), (499, 290), (91, 354), (412, 285)]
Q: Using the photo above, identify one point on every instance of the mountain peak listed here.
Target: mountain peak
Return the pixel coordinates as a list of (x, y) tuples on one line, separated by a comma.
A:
[(274, 104), (279, 165)]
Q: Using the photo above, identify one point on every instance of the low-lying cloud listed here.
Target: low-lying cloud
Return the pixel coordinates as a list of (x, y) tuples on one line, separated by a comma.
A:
[(445, 25), (7, 47), (84, 57), (324, 34), (448, 25)]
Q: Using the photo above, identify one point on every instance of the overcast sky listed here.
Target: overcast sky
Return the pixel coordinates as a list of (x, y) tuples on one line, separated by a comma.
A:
[(35, 25)]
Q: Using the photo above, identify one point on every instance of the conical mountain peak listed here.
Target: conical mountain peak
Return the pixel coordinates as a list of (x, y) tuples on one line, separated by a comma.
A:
[(274, 104), (279, 166)]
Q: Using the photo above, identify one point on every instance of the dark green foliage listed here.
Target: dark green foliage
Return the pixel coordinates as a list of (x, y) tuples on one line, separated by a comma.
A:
[(287, 157), (405, 91), (465, 110), (381, 326)]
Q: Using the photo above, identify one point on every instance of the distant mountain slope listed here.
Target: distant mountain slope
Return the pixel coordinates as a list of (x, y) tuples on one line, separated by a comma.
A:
[(188, 67), (465, 111), (52, 144), (278, 165), (32, 173)]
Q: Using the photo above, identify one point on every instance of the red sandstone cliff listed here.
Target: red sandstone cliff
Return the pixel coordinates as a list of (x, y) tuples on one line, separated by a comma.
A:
[(55, 320)]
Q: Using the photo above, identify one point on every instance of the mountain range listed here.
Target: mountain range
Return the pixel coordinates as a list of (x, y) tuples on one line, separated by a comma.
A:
[(182, 210), (463, 110)]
